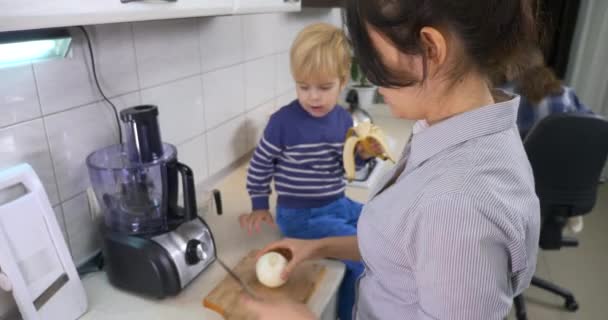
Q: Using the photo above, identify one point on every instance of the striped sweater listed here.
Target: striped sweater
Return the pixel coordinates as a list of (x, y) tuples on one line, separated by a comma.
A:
[(303, 155)]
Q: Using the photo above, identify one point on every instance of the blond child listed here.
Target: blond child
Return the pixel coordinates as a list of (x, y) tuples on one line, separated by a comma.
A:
[(301, 150)]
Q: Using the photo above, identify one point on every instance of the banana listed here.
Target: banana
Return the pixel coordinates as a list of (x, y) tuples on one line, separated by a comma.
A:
[(366, 134)]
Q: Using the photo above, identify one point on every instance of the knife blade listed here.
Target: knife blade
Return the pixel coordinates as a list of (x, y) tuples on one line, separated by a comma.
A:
[(233, 275)]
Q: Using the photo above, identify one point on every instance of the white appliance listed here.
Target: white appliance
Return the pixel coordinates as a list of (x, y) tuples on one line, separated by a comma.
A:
[(35, 264), (368, 180)]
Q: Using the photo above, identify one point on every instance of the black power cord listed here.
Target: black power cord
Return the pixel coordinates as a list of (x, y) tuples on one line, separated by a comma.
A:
[(92, 56)]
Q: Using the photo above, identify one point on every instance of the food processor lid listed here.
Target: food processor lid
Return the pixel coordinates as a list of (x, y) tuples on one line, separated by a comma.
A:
[(139, 113), (143, 138), (116, 157)]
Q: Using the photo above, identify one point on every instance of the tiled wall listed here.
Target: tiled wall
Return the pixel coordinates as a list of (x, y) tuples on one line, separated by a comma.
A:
[(215, 80)]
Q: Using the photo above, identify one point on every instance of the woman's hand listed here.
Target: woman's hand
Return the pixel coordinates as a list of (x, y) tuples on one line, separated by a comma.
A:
[(252, 221), (295, 250), (277, 310)]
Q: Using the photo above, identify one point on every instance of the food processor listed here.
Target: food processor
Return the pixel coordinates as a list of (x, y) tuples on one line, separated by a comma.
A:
[(152, 244)]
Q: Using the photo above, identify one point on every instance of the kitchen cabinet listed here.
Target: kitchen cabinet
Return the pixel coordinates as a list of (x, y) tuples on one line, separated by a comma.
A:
[(324, 3), (36, 14), (259, 6)]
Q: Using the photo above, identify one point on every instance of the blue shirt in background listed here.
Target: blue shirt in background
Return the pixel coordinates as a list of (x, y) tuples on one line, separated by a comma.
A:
[(530, 114)]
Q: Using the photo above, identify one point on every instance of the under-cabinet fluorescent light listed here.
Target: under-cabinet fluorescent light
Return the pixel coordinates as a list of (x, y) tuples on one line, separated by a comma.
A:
[(21, 47)]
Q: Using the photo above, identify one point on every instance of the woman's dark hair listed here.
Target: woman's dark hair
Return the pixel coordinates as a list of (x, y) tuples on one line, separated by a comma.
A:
[(492, 33)]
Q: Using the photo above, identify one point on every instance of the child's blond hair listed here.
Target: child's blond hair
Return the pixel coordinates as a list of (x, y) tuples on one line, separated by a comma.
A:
[(320, 51)]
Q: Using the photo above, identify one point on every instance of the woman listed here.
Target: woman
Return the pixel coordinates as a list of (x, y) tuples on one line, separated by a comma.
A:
[(541, 92), (452, 231)]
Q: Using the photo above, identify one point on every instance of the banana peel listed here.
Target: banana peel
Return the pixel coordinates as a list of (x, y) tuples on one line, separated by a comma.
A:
[(366, 134)]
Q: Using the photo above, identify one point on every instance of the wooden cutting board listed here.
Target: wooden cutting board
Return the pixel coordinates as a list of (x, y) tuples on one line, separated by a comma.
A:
[(225, 297)]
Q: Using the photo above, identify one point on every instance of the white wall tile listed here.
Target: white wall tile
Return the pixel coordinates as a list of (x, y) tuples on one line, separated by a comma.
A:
[(83, 232), (288, 30), (114, 58), (291, 23), (223, 91), (73, 135), (227, 143), (259, 81), (335, 17), (66, 83), (286, 98), (26, 142), (312, 15), (61, 221), (166, 50), (256, 122), (260, 34), (194, 154), (126, 101), (180, 106), (18, 95), (284, 80), (221, 40)]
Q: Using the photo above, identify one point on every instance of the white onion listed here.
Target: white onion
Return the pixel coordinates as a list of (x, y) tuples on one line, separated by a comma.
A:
[(268, 269)]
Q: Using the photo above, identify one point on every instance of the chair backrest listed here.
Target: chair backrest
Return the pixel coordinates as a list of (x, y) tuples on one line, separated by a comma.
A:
[(567, 152)]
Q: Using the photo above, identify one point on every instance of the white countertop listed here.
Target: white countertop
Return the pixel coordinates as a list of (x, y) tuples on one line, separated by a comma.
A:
[(107, 302)]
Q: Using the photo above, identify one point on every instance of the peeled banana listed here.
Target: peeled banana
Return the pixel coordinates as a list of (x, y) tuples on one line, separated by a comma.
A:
[(366, 134)]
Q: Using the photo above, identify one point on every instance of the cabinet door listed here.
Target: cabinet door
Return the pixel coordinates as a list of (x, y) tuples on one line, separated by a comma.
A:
[(259, 6), (34, 14)]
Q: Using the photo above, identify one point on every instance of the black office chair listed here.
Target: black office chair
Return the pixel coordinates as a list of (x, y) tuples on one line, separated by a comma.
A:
[(567, 153)]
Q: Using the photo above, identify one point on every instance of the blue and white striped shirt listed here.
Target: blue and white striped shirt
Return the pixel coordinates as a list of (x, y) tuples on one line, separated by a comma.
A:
[(456, 235), (303, 154)]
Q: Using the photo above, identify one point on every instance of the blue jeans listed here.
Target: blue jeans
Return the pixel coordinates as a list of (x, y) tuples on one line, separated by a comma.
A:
[(338, 218)]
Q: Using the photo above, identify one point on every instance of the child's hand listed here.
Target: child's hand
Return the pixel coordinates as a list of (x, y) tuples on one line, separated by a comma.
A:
[(375, 148), (252, 221)]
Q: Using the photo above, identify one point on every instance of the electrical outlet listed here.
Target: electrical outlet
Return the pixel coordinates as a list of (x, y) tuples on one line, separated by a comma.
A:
[(204, 201)]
